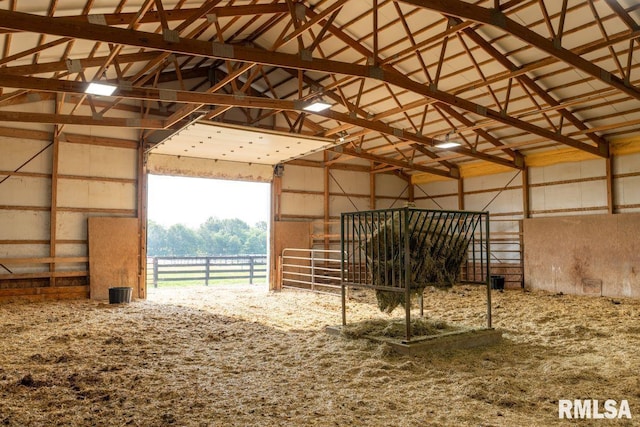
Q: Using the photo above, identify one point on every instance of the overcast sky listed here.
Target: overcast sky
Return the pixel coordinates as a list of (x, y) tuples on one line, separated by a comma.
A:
[(191, 201)]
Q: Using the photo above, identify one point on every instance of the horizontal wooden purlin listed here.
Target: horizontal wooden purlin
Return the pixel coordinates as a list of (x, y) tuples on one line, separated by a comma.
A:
[(25, 174), (131, 181), (568, 210), (37, 135), (24, 208), (84, 30), (125, 212), (150, 94), (24, 242), (70, 242), (57, 66), (62, 119), (44, 260), (60, 27), (43, 275), (321, 193), (498, 19), (182, 14), (98, 140)]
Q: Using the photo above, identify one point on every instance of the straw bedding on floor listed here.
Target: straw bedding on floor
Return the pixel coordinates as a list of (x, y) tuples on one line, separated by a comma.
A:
[(240, 356)]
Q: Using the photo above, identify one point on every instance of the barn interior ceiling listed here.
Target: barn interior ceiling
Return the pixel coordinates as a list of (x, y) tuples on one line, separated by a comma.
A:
[(497, 80)]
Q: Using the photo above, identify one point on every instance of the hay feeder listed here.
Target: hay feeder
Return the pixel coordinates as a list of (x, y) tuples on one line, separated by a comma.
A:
[(399, 252)]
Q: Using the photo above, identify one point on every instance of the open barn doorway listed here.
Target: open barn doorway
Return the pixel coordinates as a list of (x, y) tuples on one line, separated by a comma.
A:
[(206, 232)]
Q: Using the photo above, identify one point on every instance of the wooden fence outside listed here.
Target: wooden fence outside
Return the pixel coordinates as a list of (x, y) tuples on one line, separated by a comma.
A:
[(205, 270)]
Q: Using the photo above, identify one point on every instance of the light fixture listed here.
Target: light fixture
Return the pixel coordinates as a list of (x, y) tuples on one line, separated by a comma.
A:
[(100, 89), (316, 106), (446, 143)]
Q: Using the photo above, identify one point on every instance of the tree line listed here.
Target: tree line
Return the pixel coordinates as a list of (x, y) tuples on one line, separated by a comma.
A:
[(213, 237)]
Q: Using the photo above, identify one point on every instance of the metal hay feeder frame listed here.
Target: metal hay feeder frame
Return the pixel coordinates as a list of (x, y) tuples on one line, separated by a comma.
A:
[(357, 229)]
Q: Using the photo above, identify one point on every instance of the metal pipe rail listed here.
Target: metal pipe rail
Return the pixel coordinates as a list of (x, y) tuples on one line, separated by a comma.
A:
[(316, 270)]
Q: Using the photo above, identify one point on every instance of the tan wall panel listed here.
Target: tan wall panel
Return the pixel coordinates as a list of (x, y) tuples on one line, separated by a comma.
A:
[(23, 251), (627, 164), (349, 182), (302, 178), (97, 161), (449, 186), (72, 225), (567, 171), (17, 151), (499, 180), (500, 201), (338, 205), (302, 204), (628, 190), (25, 191), (594, 254), (569, 196), (72, 250), (24, 225), (444, 203), (96, 194), (389, 185)]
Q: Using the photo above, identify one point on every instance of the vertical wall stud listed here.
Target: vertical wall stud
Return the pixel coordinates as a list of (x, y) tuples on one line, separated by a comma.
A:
[(525, 193), (461, 193), (611, 201), (327, 217), (53, 218)]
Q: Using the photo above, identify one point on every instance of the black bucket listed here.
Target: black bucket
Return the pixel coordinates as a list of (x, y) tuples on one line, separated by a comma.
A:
[(120, 295), (497, 282)]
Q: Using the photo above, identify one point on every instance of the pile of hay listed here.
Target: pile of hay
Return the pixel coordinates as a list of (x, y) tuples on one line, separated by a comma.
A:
[(395, 328), (436, 256)]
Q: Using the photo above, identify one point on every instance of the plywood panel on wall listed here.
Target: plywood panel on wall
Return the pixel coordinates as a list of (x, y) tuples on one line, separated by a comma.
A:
[(590, 255), (288, 234), (113, 255)]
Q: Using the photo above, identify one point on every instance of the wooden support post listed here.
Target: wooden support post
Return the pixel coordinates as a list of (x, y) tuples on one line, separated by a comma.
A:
[(461, 193), (327, 217), (141, 208), (372, 190), (525, 193), (53, 218), (275, 259), (611, 200), (411, 195)]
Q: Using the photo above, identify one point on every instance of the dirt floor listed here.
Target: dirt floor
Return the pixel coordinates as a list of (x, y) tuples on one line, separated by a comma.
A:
[(240, 356)]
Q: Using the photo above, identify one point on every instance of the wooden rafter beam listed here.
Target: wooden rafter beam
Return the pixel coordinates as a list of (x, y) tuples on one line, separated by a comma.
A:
[(541, 92), (64, 119), (29, 22), (497, 18), (56, 66)]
